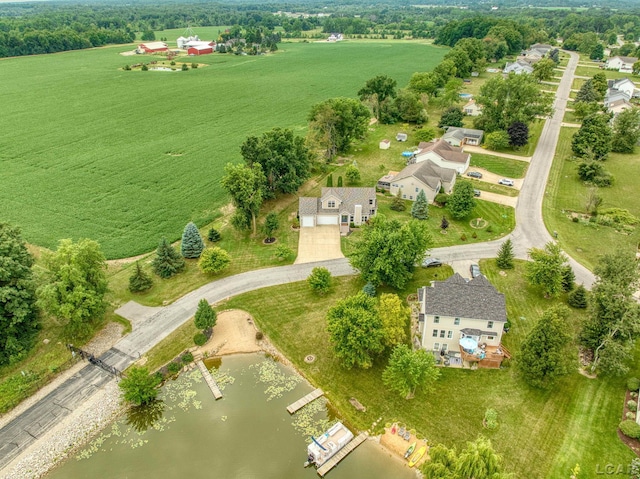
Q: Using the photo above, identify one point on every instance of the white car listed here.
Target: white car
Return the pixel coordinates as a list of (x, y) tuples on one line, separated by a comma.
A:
[(506, 182)]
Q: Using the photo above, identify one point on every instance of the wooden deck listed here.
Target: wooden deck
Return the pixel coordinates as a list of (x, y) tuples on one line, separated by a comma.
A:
[(302, 402), (342, 453), (209, 380)]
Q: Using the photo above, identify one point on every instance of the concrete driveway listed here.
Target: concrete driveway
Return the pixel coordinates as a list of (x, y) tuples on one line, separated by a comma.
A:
[(319, 243)]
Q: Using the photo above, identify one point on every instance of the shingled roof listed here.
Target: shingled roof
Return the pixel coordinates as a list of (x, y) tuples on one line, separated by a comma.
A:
[(444, 150), (458, 298), (427, 172), (348, 197)]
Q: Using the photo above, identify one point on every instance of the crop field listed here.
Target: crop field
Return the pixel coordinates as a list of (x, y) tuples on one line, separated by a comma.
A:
[(125, 157)]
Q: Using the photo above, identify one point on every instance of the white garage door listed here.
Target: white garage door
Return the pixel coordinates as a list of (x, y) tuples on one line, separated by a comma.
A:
[(307, 221), (327, 220)]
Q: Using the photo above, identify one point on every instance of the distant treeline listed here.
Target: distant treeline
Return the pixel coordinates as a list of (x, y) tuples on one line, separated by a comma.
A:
[(27, 29)]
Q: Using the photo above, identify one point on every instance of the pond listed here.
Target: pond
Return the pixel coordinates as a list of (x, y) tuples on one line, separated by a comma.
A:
[(247, 434)]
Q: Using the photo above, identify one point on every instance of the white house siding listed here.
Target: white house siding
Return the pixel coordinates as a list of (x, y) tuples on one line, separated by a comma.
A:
[(446, 326), (307, 221), (327, 219), (438, 160), (411, 187)]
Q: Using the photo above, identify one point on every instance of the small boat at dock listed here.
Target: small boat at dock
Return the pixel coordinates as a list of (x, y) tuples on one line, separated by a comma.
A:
[(412, 447), (417, 456), (326, 446)]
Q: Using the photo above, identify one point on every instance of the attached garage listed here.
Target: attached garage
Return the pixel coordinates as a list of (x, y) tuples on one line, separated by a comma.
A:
[(327, 219), (307, 221)]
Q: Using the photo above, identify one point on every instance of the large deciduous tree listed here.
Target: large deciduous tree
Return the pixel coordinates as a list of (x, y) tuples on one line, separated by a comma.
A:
[(337, 122), (18, 315), (395, 317), (546, 268), (451, 117), (626, 131), (410, 107), (355, 330), (614, 316), (461, 202), (167, 261), (543, 69), (246, 186), (284, 158), (409, 370), (545, 353), (75, 285), (377, 90), (511, 99), (518, 134), (192, 244), (389, 250), (139, 387), (320, 280), (593, 139)]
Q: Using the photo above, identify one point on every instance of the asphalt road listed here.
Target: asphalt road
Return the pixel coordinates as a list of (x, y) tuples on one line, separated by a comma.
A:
[(530, 231)]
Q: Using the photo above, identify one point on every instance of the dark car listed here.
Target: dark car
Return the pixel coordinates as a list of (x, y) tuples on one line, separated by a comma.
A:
[(476, 192), (428, 262), (474, 174), (475, 270)]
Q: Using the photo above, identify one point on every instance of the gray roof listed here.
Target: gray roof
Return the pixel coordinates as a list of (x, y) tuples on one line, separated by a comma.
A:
[(462, 133), (519, 65), (444, 150), (628, 59), (427, 172), (348, 197), (458, 298)]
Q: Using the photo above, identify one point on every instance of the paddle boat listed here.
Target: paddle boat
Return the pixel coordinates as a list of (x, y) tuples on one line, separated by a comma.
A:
[(417, 456), (412, 447), (394, 428)]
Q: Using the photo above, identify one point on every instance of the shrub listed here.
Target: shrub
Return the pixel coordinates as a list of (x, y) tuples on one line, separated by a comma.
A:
[(214, 235), (144, 67), (259, 335), (352, 173), (174, 367), (369, 289), (474, 235), (127, 67), (630, 415), (630, 429), (463, 237), (282, 252), (491, 418), (172, 62), (634, 395), (489, 229), (441, 199), (200, 339), (184, 67), (214, 260), (575, 219), (320, 280), (187, 357), (194, 65), (424, 134), (578, 298), (632, 405)]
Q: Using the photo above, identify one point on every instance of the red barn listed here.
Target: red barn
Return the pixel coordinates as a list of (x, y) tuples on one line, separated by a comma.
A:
[(200, 50), (152, 47)]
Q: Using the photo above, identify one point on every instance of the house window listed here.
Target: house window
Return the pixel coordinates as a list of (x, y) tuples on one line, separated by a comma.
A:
[(456, 322), (436, 346), (435, 333), (450, 334), (404, 196), (410, 197), (416, 190), (490, 338), (442, 333), (331, 204), (351, 218), (490, 324), (370, 201), (372, 212), (345, 219), (436, 319), (444, 347)]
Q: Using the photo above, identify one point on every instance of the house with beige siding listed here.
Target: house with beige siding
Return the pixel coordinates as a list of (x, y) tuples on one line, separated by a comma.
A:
[(462, 321), (443, 155), (424, 176)]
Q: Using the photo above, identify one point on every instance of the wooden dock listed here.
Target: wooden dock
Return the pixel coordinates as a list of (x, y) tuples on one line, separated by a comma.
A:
[(300, 403), (209, 380), (342, 453)]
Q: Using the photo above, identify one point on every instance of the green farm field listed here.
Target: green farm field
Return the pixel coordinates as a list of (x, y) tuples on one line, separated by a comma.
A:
[(126, 157)]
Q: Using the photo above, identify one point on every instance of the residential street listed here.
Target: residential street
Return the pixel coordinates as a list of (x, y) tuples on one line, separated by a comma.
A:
[(530, 231)]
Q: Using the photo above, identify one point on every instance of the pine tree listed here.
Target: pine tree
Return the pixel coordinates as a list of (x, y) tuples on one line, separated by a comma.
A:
[(214, 235), (505, 255), (139, 280), (330, 181), (578, 298), (420, 209), (339, 181), (397, 203), (568, 278), (205, 316), (167, 261), (192, 244)]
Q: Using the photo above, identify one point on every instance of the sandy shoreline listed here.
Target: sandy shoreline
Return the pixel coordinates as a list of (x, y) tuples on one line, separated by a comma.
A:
[(234, 333)]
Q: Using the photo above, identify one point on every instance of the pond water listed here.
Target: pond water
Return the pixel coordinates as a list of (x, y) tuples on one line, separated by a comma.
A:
[(247, 434)]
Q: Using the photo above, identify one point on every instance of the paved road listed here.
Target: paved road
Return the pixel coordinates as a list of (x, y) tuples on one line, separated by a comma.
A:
[(530, 231)]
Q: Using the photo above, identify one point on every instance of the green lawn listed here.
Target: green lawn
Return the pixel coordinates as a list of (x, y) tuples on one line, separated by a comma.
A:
[(500, 166), (541, 434), (611, 74), (535, 130), (494, 188), (126, 157), (566, 193)]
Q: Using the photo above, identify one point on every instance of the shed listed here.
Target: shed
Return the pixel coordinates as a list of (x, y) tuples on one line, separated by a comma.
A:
[(152, 47), (401, 137), (385, 144)]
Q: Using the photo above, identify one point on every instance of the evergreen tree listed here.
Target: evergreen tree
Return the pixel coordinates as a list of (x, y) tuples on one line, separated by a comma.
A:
[(330, 181), (192, 244), (339, 181), (139, 280), (420, 209), (167, 261), (505, 255), (214, 235), (578, 298), (369, 289), (568, 278), (397, 203), (205, 316)]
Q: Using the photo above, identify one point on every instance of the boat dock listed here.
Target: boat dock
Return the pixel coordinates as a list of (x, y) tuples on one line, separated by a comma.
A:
[(300, 403), (333, 462), (209, 380)]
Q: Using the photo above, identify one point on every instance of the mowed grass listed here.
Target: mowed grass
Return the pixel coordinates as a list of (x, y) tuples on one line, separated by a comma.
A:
[(542, 434), (90, 150), (566, 193), (500, 166)]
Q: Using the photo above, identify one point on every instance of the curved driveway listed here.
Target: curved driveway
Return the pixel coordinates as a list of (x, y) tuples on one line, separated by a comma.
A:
[(530, 231)]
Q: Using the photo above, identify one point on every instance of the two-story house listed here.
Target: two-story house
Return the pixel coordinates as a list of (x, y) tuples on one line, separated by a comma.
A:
[(338, 206), (462, 322)]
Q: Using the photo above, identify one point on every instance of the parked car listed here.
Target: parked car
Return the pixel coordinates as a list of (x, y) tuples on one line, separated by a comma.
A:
[(475, 270), (506, 182), (474, 174), (476, 192), (428, 262)]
